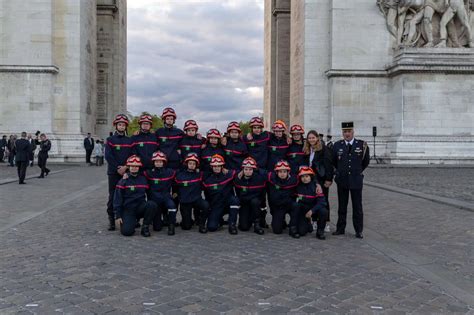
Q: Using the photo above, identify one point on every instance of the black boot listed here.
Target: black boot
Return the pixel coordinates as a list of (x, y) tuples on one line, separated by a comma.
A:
[(257, 228), (171, 229), (202, 229), (233, 229), (145, 231), (111, 224), (263, 221), (320, 234), (294, 232)]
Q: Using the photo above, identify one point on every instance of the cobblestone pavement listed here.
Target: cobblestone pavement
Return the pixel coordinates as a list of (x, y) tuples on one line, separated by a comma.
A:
[(416, 257), (447, 182)]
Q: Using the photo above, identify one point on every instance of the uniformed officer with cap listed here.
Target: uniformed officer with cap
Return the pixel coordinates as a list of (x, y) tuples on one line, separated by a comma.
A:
[(350, 157)]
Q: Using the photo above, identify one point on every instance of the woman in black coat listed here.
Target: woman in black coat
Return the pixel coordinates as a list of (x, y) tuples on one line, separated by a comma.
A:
[(319, 158)]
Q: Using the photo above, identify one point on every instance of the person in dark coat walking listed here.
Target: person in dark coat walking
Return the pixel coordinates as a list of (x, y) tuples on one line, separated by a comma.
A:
[(23, 151), (45, 146), (89, 146), (351, 157)]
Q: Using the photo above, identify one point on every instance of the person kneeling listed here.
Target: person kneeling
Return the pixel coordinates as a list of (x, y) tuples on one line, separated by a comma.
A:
[(189, 183), (130, 202), (310, 203), (220, 191), (249, 185), (281, 189), (160, 179)]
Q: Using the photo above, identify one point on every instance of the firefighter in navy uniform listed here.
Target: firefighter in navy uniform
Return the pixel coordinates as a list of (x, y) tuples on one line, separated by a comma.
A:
[(118, 149), (309, 204), (213, 147), (145, 143), (350, 157), (278, 144), (249, 185), (160, 179), (295, 155), (192, 141), (189, 188), (257, 142), (234, 147), (220, 193), (169, 138), (130, 202)]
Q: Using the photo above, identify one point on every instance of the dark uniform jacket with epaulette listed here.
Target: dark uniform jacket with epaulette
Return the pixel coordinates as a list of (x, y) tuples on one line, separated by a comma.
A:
[(219, 185), (189, 185), (295, 156), (281, 191), (207, 154), (252, 187), (349, 165), (190, 145), (118, 148), (258, 148), (277, 150), (169, 140), (160, 181), (129, 193), (235, 153), (306, 195), (144, 145)]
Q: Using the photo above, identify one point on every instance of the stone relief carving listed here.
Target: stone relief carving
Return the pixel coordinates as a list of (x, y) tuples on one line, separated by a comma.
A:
[(429, 23)]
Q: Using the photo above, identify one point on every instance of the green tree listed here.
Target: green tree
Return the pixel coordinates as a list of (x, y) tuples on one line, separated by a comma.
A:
[(245, 127), (133, 126)]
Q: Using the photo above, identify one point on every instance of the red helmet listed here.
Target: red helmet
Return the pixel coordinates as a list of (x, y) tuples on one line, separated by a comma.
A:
[(279, 125), (213, 133), (134, 160), (249, 162), (159, 156), (168, 111), (282, 165), (192, 157), (217, 160), (189, 124), (256, 122), (306, 170), (297, 129), (233, 126), (121, 118), (145, 118)]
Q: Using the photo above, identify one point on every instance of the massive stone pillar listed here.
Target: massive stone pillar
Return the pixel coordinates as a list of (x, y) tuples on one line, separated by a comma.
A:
[(277, 60), (49, 71), (111, 62)]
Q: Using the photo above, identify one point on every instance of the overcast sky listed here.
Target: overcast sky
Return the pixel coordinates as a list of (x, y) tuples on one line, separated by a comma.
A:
[(202, 57)]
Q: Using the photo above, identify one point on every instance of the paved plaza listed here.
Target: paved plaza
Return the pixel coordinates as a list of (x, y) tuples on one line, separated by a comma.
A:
[(57, 257)]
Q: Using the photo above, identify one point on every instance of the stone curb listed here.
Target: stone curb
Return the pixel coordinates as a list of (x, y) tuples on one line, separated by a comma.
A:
[(443, 200)]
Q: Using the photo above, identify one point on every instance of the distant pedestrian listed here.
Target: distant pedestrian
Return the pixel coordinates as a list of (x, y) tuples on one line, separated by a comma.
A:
[(11, 150), (45, 146), (99, 153), (89, 147), (23, 151), (33, 149), (3, 147)]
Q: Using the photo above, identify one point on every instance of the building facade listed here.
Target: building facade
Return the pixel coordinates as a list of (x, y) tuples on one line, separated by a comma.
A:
[(62, 70), (405, 69)]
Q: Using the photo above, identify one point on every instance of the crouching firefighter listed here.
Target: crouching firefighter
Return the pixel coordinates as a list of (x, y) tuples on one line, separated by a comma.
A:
[(160, 180), (310, 203), (130, 202), (220, 191)]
